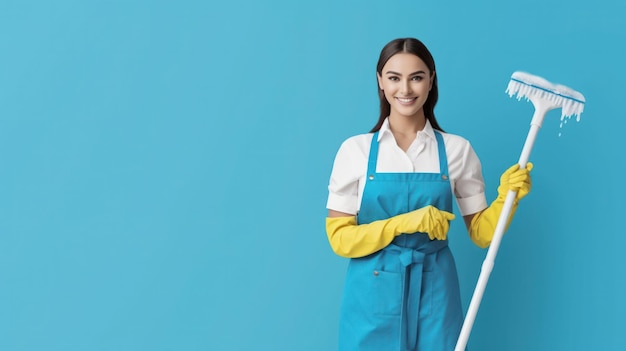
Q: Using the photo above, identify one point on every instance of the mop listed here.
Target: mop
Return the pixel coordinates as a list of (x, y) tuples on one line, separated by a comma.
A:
[(544, 96)]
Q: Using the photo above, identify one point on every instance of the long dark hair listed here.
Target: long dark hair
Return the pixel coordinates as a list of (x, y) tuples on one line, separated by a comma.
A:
[(417, 48)]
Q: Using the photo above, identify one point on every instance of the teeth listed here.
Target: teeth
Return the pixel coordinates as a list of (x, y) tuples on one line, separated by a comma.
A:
[(405, 100)]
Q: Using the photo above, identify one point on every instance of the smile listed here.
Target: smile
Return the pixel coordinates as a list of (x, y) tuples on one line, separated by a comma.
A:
[(406, 101)]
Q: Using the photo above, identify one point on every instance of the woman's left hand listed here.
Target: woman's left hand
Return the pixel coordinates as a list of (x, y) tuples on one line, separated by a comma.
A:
[(516, 179)]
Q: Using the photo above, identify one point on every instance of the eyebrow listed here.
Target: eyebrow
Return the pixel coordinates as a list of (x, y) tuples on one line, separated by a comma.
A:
[(399, 74)]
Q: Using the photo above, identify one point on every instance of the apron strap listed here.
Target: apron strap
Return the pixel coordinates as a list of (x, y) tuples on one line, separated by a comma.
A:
[(373, 156), (413, 262), (443, 159)]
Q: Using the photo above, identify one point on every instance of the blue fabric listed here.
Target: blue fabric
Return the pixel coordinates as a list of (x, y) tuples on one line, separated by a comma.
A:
[(405, 296)]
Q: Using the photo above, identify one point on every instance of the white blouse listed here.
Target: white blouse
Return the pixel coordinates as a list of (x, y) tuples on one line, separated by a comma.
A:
[(347, 179)]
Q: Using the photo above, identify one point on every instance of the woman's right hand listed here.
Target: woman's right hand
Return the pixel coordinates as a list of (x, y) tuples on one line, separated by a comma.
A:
[(432, 221)]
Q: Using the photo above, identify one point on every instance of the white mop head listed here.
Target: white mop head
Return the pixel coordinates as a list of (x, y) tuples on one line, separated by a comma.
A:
[(532, 87)]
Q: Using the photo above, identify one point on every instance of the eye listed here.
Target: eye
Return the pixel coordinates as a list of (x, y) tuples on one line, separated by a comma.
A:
[(417, 78), (394, 78)]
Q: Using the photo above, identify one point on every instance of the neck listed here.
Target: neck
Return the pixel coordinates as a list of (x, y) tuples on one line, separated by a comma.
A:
[(406, 125)]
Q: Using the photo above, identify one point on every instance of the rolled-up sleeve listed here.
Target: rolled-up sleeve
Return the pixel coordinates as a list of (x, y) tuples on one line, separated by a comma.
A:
[(343, 187), (469, 187)]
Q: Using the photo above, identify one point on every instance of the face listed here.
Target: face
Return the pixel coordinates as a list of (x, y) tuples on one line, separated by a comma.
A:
[(406, 80)]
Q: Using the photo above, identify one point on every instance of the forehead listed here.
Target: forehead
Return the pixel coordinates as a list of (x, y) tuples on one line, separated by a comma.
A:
[(405, 62)]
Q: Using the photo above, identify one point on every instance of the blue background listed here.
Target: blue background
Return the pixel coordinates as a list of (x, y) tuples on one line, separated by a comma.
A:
[(164, 168)]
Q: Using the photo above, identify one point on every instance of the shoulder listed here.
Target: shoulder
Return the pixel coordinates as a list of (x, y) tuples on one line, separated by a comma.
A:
[(454, 141), (458, 148), (359, 139), (357, 144)]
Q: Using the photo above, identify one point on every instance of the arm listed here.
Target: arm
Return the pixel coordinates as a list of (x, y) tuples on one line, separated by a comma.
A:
[(334, 214), (349, 239)]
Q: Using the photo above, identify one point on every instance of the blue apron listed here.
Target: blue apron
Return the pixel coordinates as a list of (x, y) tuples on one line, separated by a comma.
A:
[(405, 296)]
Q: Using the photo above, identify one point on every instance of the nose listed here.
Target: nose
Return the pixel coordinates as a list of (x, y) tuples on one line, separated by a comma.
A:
[(406, 87)]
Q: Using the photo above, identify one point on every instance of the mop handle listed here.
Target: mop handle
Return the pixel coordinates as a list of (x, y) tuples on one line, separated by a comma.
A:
[(489, 261)]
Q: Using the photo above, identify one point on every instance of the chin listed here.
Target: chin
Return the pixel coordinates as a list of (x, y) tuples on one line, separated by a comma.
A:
[(410, 113)]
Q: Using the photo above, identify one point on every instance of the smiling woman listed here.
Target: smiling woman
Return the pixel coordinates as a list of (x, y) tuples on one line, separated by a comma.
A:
[(405, 83), (389, 207)]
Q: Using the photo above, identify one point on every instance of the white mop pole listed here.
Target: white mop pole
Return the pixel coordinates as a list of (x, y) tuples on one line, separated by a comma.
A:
[(545, 96), (489, 261)]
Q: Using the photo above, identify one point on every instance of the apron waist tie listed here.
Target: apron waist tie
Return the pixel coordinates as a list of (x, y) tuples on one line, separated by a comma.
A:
[(413, 262)]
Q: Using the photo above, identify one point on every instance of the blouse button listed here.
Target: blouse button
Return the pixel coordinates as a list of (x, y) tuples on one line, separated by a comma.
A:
[(376, 273), (444, 177), (371, 177)]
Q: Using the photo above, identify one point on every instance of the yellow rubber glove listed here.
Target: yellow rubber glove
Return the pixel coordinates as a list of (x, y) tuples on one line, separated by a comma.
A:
[(351, 240), (483, 224)]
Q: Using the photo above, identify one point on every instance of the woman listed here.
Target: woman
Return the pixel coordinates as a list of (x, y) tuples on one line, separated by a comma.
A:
[(389, 207)]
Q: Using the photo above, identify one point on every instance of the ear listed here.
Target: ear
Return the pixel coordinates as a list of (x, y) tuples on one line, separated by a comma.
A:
[(380, 81)]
